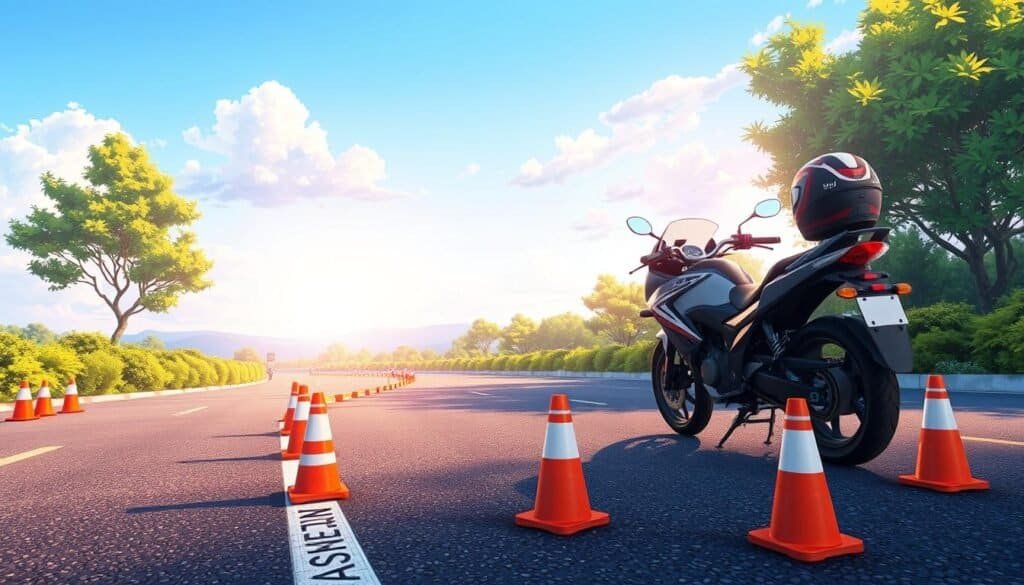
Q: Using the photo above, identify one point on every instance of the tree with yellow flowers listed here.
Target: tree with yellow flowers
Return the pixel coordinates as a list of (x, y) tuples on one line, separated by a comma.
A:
[(934, 98)]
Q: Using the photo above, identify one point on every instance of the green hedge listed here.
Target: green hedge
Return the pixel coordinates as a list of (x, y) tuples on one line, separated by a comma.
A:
[(616, 358), (102, 368)]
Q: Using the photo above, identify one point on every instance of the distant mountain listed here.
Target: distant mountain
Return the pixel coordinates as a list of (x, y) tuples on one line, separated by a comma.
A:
[(436, 337)]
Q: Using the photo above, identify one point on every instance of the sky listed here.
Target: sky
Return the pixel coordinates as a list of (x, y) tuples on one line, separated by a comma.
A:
[(393, 164)]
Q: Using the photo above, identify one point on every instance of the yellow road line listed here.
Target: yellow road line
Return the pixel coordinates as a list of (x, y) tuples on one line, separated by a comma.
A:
[(996, 441), (189, 411), (27, 454)]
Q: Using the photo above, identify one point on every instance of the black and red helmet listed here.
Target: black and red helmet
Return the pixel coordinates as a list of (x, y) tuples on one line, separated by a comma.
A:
[(835, 192)]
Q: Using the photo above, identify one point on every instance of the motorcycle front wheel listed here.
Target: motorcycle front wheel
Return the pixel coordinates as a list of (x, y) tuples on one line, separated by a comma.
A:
[(686, 410), (855, 403)]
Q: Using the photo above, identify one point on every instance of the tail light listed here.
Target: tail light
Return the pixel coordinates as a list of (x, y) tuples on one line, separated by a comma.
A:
[(864, 252)]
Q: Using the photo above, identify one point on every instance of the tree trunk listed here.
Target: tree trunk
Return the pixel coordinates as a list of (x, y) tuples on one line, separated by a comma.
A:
[(122, 324)]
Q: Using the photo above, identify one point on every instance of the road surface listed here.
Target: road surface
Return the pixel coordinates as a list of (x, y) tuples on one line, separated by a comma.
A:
[(188, 489)]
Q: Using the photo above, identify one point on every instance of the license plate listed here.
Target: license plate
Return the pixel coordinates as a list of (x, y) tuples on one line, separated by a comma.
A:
[(882, 311)]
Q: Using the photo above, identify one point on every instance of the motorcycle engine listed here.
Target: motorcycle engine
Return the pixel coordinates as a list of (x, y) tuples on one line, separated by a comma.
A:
[(714, 370)]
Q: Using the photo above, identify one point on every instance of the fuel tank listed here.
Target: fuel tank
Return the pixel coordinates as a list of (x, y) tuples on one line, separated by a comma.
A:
[(698, 301)]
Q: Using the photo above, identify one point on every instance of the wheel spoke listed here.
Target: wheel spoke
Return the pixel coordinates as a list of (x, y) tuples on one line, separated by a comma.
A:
[(682, 401)]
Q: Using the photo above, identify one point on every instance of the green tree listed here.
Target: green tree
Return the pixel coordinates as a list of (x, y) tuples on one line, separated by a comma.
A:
[(617, 306), (122, 234), (405, 353), (479, 339), (515, 337), (152, 342), (248, 354), (335, 353), (565, 331), (934, 99), (38, 333)]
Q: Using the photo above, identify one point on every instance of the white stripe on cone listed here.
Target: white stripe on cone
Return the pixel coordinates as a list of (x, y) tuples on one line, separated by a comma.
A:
[(318, 429), (293, 400), (317, 460), (560, 442), (302, 411), (44, 392), (24, 394), (938, 415), (799, 453), (71, 389)]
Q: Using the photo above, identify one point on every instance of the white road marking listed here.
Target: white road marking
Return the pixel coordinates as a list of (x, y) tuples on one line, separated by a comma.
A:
[(588, 402), (322, 544), (996, 441), (478, 393), (27, 454), (189, 411)]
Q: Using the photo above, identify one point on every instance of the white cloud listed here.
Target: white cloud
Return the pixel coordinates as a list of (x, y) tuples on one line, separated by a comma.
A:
[(470, 170), (814, 3), (667, 108), (58, 143), (774, 26), (848, 40), (274, 154), (595, 225)]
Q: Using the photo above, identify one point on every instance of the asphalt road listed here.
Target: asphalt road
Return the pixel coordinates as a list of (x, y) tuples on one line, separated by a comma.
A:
[(145, 492)]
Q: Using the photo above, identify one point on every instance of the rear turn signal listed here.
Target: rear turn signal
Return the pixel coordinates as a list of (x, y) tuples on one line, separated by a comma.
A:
[(847, 292), (864, 252), (902, 288)]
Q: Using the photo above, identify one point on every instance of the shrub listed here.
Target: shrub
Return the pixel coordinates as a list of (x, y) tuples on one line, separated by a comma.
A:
[(83, 343), (639, 358), (499, 362), (618, 363), (603, 357), (17, 362), (558, 359), (954, 367), (999, 336), (101, 373), (142, 371), (176, 367), (941, 332), (221, 369), (59, 363)]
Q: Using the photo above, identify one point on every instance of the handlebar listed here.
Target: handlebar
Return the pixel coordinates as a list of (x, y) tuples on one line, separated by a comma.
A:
[(735, 242)]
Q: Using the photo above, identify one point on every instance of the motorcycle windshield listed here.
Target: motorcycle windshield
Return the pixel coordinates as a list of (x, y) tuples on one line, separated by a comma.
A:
[(693, 231)]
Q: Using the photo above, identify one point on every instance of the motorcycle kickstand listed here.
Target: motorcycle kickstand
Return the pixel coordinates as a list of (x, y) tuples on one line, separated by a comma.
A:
[(771, 427), (741, 418)]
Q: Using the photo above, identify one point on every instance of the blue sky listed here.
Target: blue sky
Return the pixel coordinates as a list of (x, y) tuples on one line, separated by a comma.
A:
[(430, 212)]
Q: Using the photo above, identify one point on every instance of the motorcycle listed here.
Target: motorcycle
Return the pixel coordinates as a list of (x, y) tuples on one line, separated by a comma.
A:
[(727, 340)]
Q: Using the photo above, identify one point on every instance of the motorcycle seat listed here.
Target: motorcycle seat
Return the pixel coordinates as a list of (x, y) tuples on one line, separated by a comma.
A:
[(743, 295)]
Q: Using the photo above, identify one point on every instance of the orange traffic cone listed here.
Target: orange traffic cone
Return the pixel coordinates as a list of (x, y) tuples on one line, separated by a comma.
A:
[(71, 404), (941, 461), (291, 407), (44, 403), (562, 505), (318, 479), (298, 430), (289, 415), (23, 404), (803, 524)]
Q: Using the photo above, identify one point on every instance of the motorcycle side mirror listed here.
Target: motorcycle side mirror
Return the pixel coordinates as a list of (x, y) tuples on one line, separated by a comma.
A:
[(768, 208), (639, 226)]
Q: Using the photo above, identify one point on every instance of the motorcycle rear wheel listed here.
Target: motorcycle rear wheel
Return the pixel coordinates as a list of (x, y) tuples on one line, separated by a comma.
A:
[(686, 410), (875, 403)]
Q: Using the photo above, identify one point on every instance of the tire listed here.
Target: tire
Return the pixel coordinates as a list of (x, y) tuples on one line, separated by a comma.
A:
[(697, 413), (879, 410)]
